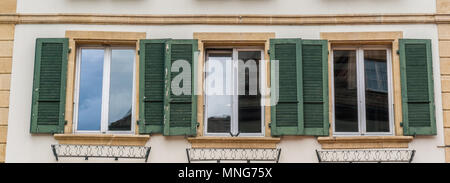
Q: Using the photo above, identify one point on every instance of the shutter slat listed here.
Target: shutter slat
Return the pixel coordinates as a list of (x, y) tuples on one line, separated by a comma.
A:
[(286, 114), (417, 87), (315, 87), (152, 61), (180, 116), (48, 105), (302, 108), (286, 54)]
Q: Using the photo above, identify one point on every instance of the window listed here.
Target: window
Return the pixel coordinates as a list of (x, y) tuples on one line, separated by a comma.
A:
[(234, 105), (105, 90), (362, 90)]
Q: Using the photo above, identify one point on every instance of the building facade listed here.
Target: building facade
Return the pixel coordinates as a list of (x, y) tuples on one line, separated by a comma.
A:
[(353, 77)]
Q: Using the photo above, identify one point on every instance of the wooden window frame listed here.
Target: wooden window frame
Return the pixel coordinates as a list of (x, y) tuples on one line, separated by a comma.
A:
[(105, 89), (77, 38), (362, 122), (234, 123), (369, 38), (208, 39)]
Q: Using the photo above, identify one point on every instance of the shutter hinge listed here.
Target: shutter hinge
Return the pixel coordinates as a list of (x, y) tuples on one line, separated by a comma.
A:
[(268, 52), (70, 50), (139, 52), (401, 124), (198, 124), (65, 122), (398, 52), (137, 122), (270, 125)]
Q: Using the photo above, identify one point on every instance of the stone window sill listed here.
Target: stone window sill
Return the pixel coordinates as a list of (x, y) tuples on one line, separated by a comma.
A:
[(234, 142), (366, 142), (102, 139)]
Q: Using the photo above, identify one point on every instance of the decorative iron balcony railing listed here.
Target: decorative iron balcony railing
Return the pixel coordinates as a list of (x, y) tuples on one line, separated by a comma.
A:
[(233, 154), (100, 151), (365, 155)]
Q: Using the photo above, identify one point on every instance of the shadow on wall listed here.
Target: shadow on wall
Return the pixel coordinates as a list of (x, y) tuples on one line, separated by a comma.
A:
[(325, 1), (192, 0), (106, 0)]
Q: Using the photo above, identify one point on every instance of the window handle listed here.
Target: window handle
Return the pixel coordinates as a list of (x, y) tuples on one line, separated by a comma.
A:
[(233, 135)]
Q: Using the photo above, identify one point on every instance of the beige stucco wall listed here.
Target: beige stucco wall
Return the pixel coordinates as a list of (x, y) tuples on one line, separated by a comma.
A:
[(227, 6), (24, 147), (443, 7), (6, 45)]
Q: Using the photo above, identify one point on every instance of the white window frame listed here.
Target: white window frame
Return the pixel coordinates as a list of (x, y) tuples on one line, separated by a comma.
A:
[(360, 79), (234, 121), (105, 89)]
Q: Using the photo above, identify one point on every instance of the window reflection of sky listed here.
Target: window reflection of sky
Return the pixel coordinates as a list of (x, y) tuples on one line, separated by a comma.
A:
[(376, 75), (219, 105), (121, 89), (90, 96)]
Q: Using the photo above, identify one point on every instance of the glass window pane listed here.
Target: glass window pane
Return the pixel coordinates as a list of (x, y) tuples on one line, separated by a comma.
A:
[(345, 91), (218, 103), (250, 101), (121, 90), (377, 111), (90, 89)]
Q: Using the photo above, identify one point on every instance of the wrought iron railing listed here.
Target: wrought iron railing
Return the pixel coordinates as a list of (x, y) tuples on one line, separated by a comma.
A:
[(365, 155), (100, 151), (233, 154)]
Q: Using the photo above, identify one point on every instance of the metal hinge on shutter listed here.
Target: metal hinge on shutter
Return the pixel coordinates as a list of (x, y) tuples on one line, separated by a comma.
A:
[(398, 52), (69, 50)]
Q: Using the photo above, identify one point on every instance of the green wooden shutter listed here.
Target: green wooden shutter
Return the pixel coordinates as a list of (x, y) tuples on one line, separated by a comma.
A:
[(417, 87), (315, 87), (152, 57), (287, 114), (49, 85), (180, 112)]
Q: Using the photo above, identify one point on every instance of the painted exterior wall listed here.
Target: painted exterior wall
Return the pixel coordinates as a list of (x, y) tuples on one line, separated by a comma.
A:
[(6, 49), (226, 7), (443, 6), (25, 147)]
